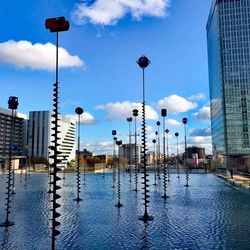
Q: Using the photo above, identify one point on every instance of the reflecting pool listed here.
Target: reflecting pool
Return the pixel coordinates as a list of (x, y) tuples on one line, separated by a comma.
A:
[(211, 214)]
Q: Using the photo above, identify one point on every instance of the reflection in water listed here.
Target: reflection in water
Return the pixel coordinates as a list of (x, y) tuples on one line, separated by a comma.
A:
[(208, 215)]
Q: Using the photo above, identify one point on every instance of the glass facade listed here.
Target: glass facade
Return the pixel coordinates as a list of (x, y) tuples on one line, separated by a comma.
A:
[(228, 38)]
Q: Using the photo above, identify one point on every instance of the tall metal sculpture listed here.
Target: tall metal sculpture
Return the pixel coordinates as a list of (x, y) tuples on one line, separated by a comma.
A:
[(177, 155), (55, 25), (78, 111), (143, 62), (119, 143), (135, 114), (154, 159), (158, 150), (114, 160), (184, 121), (164, 114), (13, 104), (129, 120), (14, 148), (168, 166)]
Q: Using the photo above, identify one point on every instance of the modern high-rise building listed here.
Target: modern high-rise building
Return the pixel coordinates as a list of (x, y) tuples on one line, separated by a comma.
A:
[(39, 136), (228, 39), (19, 131), (128, 151)]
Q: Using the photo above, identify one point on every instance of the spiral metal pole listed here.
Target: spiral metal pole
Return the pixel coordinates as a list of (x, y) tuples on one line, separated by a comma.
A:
[(78, 181), (9, 183), (136, 159), (168, 166), (129, 152), (114, 164), (158, 155), (13, 143), (55, 153), (119, 181), (145, 181), (154, 158), (164, 162), (186, 164)]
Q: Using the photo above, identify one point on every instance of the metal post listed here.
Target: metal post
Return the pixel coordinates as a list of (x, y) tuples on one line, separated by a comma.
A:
[(154, 141), (114, 161), (135, 114), (168, 167), (119, 143), (158, 150), (143, 62), (129, 120), (177, 155), (184, 121)]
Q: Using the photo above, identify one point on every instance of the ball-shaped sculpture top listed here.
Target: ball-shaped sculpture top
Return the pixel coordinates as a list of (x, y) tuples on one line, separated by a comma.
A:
[(129, 119), (135, 112), (79, 110), (119, 143), (143, 62), (115, 138), (163, 112), (113, 132), (156, 133), (13, 102), (158, 123), (184, 120), (154, 141), (167, 131), (176, 134)]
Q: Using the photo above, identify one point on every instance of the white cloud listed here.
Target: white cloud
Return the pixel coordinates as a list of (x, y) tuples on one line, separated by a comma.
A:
[(100, 147), (197, 97), (200, 132), (176, 104), (202, 141), (24, 54), (109, 12), (173, 123), (203, 114), (124, 110), (85, 118)]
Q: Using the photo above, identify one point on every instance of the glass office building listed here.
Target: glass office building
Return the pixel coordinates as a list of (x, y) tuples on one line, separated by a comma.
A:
[(228, 39)]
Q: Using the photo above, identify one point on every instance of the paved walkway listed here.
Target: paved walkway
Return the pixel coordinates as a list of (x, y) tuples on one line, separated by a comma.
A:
[(237, 180)]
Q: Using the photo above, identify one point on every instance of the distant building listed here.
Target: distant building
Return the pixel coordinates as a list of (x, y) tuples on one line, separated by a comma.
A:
[(128, 151), (85, 153), (228, 36), (39, 136), (19, 131), (200, 152)]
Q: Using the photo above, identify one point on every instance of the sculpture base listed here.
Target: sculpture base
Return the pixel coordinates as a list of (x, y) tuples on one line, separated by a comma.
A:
[(118, 205), (78, 199), (146, 217), (7, 224)]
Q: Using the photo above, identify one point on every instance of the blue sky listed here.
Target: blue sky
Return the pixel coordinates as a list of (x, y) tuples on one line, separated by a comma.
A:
[(98, 69)]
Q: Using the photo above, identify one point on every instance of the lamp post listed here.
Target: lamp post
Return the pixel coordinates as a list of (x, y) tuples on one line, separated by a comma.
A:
[(154, 141), (164, 114), (55, 25), (158, 150), (184, 121), (114, 155), (78, 111), (129, 120), (177, 155), (13, 104), (143, 62), (168, 167), (119, 143), (135, 114)]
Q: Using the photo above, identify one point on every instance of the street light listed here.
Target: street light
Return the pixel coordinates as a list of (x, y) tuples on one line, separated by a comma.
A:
[(158, 150), (143, 62), (114, 155), (154, 141), (135, 114), (177, 154), (57, 25), (119, 143), (78, 111), (184, 121), (168, 166), (13, 104), (164, 114), (129, 120)]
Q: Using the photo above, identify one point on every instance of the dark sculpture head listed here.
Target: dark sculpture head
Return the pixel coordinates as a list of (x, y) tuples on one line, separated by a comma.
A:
[(13, 102), (167, 131), (113, 132), (154, 141), (129, 119), (176, 134), (158, 123), (119, 143), (143, 62), (163, 112), (79, 110), (184, 120), (135, 112)]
